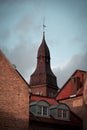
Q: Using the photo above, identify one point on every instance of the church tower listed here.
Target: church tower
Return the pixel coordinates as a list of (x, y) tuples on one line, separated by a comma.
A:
[(43, 81)]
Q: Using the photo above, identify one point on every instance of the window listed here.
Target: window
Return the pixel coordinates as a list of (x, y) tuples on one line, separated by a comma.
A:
[(62, 113), (42, 110)]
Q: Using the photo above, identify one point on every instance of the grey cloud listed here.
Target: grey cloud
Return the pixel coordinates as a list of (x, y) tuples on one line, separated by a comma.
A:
[(10, 2), (26, 27), (23, 56), (25, 24), (78, 61), (4, 36)]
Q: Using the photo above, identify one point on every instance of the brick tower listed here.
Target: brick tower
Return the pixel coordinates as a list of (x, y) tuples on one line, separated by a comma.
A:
[(43, 81)]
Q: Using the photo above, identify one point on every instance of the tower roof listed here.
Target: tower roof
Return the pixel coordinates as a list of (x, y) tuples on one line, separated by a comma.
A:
[(43, 49), (43, 80)]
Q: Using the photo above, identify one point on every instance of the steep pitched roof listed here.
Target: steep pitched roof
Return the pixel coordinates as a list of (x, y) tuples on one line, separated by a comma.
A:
[(43, 49), (43, 75), (65, 91)]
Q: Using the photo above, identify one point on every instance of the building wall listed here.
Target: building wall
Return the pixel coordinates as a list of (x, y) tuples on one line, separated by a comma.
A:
[(85, 104), (75, 105), (39, 90), (14, 98), (43, 90)]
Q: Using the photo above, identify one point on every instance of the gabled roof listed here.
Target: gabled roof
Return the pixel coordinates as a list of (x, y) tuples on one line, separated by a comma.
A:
[(14, 97), (12, 66), (65, 91)]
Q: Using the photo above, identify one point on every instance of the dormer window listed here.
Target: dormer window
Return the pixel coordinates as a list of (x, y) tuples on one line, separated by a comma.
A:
[(62, 113), (42, 110)]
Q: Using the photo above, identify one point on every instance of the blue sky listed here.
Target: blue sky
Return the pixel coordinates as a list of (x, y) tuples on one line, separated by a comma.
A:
[(21, 29)]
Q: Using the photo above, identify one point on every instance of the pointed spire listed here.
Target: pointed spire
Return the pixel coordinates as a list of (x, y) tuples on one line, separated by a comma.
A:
[(43, 80), (43, 49)]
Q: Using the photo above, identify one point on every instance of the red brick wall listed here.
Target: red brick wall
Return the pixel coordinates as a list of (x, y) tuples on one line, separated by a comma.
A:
[(43, 90), (14, 98), (39, 90)]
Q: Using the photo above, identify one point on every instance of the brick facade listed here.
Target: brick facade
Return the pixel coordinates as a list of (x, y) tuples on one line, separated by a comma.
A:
[(75, 105), (14, 98)]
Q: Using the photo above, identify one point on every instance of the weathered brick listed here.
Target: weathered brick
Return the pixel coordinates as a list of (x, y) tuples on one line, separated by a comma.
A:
[(14, 98)]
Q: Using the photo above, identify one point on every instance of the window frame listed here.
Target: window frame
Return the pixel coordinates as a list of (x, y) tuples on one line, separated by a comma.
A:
[(63, 113), (42, 110)]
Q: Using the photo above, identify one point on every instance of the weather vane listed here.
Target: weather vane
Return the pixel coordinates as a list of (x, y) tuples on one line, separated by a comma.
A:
[(44, 26)]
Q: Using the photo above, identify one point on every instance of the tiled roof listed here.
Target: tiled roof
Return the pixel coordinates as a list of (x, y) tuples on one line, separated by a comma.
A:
[(43, 49), (51, 101), (51, 120), (65, 91)]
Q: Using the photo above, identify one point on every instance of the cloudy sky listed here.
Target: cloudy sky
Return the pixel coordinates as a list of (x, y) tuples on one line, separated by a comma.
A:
[(21, 29)]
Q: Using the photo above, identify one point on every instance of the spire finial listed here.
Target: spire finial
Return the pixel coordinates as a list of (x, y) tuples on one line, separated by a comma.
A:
[(44, 26)]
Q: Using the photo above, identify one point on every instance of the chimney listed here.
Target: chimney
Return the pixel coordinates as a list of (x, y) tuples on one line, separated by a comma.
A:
[(75, 85)]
